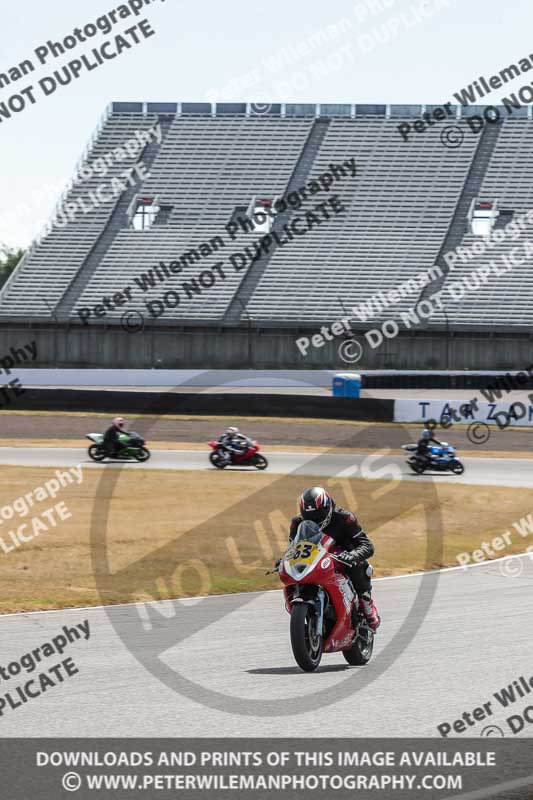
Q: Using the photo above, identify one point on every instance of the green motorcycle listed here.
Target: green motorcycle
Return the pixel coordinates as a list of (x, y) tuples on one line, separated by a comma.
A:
[(131, 447)]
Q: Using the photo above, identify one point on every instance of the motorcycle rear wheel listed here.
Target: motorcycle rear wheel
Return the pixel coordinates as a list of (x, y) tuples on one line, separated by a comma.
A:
[(305, 641), (417, 467), (217, 461), (96, 452), (360, 652)]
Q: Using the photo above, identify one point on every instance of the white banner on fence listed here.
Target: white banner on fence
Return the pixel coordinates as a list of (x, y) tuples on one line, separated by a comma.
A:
[(460, 412)]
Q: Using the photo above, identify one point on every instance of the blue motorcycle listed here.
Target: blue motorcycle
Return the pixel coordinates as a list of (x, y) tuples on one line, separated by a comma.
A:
[(440, 458)]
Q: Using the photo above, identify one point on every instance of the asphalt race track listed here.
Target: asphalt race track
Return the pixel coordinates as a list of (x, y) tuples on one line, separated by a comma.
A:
[(223, 666), (485, 471), (235, 675)]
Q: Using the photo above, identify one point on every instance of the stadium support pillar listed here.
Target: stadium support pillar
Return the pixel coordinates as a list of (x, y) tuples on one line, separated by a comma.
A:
[(447, 363)]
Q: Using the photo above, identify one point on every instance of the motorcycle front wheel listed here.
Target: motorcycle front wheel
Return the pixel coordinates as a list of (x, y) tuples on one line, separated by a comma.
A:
[(142, 454), (260, 462), (96, 452), (458, 468), (217, 460), (306, 641)]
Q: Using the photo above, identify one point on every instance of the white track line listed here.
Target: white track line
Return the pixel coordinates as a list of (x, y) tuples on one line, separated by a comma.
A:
[(453, 569), (260, 591)]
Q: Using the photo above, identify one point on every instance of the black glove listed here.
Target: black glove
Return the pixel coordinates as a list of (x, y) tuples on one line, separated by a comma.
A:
[(347, 557), (276, 567)]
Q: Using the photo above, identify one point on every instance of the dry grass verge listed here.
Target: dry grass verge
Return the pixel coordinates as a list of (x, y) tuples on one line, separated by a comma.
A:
[(172, 534)]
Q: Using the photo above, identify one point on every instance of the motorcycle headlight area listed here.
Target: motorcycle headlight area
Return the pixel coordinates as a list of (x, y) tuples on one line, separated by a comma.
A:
[(298, 570)]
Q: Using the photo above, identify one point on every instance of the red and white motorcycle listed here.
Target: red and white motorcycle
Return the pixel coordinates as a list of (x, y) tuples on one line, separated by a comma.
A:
[(221, 457), (322, 602)]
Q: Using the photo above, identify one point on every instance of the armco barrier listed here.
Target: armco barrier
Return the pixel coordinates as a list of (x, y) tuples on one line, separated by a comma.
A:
[(234, 405)]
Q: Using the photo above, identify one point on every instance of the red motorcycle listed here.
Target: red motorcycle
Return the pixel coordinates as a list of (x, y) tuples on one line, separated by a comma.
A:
[(221, 457), (322, 602)]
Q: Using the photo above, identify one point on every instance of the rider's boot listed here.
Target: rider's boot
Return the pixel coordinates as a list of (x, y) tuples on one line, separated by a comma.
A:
[(370, 611)]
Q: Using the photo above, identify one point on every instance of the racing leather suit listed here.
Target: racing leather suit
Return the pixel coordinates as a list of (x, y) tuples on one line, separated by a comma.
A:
[(235, 443), (422, 447), (111, 442), (345, 530)]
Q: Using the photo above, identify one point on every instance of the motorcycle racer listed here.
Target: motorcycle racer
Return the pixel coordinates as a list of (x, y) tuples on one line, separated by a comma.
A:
[(423, 444), (234, 441), (111, 441), (317, 505)]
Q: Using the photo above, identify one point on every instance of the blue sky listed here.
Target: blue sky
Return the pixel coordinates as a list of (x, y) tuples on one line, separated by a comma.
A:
[(373, 51)]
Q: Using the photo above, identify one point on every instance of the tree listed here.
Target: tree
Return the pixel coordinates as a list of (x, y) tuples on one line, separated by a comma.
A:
[(9, 258)]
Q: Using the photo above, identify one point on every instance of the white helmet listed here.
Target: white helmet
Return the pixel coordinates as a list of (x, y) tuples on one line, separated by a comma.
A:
[(118, 422), (231, 430)]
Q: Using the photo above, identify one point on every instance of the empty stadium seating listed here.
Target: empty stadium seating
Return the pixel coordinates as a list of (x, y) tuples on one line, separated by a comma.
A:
[(505, 300), (398, 210), (404, 207), (41, 280), (204, 169)]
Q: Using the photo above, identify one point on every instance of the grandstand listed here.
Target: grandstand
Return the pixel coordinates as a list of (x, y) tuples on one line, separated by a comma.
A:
[(404, 209), (505, 300)]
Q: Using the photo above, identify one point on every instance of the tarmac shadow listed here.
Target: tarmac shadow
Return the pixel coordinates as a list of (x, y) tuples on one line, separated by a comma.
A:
[(296, 670), (234, 469)]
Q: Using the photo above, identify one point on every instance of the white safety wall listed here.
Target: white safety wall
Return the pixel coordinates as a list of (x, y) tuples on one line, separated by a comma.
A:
[(172, 377)]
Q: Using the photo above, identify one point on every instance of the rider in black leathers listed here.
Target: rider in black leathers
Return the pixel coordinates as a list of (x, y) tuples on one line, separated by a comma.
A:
[(234, 441), (111, 440), (317, 505), (424, 444)]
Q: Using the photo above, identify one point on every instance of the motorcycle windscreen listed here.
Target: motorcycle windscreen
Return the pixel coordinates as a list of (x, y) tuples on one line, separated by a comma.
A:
[(305, 550), (308, 531)]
